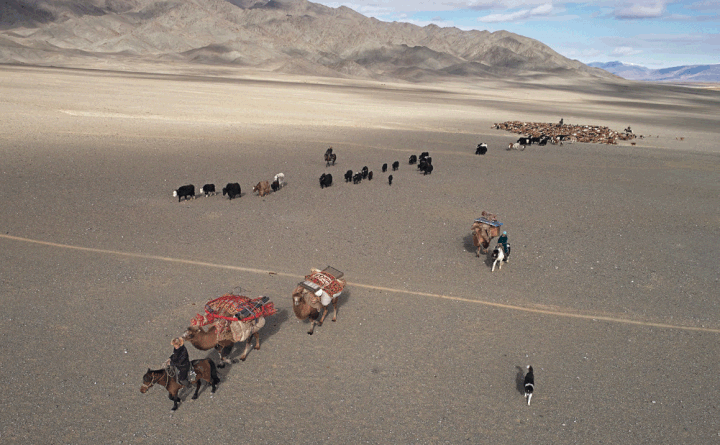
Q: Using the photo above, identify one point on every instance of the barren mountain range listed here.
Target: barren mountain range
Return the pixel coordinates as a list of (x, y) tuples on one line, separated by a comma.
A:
[(290, 36), (685, 73)]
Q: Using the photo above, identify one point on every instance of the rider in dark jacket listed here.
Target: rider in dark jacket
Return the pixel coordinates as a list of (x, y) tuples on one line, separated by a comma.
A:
[(506, 246), (181, 360)]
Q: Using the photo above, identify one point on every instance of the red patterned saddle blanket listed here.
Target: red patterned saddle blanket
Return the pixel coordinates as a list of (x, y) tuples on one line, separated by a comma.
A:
[(324, 281), (229, 308)]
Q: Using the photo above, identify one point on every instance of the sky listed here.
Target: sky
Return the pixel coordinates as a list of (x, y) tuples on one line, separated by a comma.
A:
[(651, 33)]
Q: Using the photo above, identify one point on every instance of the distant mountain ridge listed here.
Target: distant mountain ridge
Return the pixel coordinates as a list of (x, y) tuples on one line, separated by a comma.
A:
[(686, 73), (291, 36)]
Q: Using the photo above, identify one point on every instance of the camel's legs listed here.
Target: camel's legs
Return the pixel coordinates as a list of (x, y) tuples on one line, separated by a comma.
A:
[(247, 348), (257, 340), (335, 303), (325, 312)]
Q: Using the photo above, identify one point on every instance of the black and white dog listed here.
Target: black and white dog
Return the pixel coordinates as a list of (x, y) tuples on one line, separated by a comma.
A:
[(529, 384)]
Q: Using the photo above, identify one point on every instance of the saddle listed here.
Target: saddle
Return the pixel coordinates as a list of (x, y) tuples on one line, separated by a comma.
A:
[(174, 373)]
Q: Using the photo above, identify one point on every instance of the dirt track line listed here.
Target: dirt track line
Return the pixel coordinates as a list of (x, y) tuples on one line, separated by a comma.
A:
[(368, 286)]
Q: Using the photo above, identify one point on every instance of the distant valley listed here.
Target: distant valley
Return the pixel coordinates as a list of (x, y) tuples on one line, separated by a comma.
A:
[(688, 73)]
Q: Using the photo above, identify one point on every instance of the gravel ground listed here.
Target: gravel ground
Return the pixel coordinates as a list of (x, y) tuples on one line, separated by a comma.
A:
[(611, 292)]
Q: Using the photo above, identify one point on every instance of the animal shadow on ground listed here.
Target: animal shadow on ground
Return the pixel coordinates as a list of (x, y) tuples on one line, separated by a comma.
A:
[(468, 243), (520, 380)]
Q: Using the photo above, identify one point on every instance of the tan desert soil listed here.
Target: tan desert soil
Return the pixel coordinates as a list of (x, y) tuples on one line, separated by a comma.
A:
[(611, 292)]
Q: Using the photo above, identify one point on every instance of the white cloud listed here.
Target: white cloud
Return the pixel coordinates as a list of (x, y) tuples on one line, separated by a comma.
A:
[(624, 51), (641, 10), (523, 14)]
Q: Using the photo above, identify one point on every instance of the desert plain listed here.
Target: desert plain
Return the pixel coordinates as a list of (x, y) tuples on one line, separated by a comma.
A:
[(611, 292)]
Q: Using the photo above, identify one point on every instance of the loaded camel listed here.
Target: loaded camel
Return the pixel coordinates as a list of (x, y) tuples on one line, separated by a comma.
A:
[(483, 233), (232, 319), (205, 340), (307, 304)]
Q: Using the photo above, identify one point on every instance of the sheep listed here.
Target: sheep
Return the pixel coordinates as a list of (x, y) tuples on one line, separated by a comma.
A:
[(262, 187), (348, 176), (232, 190), (481, 149), (325, 180), (413, 159), (384, 168), (185, 191), (395, 165)]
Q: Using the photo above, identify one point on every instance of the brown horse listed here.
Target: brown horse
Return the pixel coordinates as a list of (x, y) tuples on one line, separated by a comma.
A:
[(482, 235), (204, 370)]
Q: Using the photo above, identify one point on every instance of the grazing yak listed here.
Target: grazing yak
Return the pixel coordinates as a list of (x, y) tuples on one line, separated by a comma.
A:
[(186, 191), (263, 188), (325, 180), (348, 176), (207, 189), (481, 149), (232, 189), (395, 165)]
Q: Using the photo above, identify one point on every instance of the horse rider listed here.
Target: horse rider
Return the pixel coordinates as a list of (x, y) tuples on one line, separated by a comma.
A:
[(506, 245), (180, 359)]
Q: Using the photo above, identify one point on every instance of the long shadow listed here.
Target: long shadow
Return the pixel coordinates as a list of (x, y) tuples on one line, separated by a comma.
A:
[(520, 379), (468, 243)]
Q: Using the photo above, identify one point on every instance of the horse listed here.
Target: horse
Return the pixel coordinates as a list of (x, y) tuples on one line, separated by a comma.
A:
[(330, 157), (500, 256), (204, 370)]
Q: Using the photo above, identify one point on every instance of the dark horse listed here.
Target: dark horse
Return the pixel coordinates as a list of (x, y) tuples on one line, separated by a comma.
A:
[(204, 369), (330, 157)]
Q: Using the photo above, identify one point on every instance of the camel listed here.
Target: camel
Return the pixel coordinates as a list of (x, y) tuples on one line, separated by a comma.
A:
[(482, 235), (208, 339), (307, 305)]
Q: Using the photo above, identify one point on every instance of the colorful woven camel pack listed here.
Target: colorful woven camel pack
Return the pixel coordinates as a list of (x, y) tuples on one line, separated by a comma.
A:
[(327, 282), (231, 308)]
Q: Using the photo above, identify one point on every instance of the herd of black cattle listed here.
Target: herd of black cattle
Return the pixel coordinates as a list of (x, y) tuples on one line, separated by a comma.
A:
[(424, 163)]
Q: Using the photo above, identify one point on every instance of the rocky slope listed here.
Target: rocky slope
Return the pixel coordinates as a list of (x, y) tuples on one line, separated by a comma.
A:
[(293, 36)]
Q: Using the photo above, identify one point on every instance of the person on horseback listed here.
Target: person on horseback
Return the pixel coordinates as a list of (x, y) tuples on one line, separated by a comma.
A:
[(181, 360), (506, 245)]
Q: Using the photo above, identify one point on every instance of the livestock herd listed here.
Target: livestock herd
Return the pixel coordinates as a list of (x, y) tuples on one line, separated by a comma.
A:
[(424, 165), (232, 189), (304, 304)]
